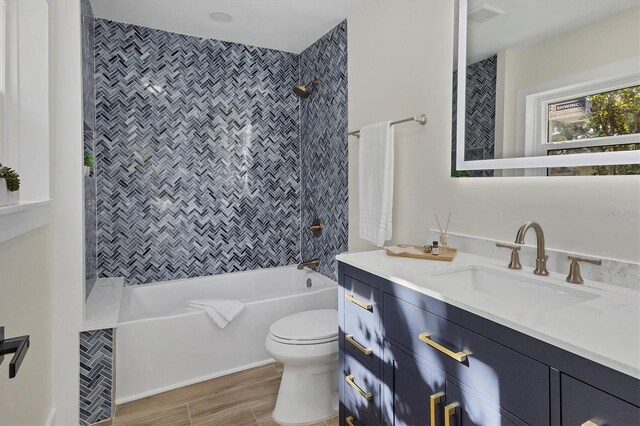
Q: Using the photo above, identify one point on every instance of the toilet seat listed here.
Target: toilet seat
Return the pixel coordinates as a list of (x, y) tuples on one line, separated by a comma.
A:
[(306, 328)]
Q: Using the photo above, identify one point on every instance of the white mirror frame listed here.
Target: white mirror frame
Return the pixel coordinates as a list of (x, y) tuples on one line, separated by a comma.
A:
[(568, 160)]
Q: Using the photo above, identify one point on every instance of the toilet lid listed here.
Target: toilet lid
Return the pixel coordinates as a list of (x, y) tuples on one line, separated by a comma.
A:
[(321, 324)]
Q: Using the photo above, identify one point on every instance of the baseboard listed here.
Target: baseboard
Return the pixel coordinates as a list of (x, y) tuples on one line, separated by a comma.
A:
[(52, 416), (192, 381)]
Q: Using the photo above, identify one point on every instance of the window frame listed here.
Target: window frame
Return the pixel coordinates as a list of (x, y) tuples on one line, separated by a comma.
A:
[(533, 106)]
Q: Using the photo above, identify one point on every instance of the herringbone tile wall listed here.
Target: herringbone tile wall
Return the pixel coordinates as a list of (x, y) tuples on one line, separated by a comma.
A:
[(96, 372), (89, 125), (324, 150), (198, 150), (480, 113)]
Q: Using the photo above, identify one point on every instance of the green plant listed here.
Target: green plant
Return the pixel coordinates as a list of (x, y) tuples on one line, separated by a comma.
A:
[(88, 159), (12, 178)]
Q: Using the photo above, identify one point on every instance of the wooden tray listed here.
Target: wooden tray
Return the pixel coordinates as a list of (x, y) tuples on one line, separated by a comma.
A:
[(446, 253)]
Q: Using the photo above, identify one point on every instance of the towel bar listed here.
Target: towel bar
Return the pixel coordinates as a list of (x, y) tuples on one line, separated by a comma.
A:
[(422, 119)]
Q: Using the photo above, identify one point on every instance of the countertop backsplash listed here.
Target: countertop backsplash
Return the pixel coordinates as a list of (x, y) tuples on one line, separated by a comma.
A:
[(614, 272)]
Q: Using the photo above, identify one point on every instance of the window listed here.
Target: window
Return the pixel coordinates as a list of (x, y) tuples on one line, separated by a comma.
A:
[(595, 111), (597, 122)]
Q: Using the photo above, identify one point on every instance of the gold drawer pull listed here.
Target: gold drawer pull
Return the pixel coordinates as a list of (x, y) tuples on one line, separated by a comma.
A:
[(350, 339), (450, 411), (350, 421), (434, 400), (363, 305), (590, 423), (458, 356), (365, 395)]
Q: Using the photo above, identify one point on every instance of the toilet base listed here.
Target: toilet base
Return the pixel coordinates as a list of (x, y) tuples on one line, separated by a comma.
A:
[(308, 394)]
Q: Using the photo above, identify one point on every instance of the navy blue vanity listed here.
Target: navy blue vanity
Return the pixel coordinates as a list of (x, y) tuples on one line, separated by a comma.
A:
[(410, 359)]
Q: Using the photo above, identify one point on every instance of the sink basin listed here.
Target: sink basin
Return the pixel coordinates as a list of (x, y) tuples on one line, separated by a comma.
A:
[(513, 288)]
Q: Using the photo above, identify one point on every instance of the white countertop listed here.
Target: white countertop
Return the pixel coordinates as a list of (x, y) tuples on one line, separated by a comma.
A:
[(605, 329), (103, 305)]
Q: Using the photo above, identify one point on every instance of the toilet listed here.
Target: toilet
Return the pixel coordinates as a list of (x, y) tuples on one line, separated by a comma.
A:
[(306, 344)]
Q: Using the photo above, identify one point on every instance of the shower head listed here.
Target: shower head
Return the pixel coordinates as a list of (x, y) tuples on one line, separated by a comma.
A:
[(303, 90)]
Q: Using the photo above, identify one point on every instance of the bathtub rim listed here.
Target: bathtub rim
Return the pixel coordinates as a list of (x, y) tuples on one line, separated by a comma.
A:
[(128, 289)]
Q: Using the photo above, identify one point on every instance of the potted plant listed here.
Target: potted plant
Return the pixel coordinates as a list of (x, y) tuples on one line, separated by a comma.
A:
[(88, 163), (9, 186)]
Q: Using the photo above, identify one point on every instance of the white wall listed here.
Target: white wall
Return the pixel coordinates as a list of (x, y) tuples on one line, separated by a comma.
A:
[(25, 308), (400, 64), (67, 217)]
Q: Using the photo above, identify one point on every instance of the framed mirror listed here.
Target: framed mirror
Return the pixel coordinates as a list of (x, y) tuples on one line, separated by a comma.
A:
[(552, 87)]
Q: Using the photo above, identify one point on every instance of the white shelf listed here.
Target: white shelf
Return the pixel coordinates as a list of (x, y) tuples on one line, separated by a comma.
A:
[(21, 218)]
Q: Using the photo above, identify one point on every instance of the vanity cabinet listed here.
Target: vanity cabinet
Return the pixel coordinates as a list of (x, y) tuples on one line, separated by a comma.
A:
[(409, 359), (582, 403)]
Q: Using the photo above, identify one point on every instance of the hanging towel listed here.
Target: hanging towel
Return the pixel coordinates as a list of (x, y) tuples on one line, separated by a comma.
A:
[(376, 182), (221, 311)]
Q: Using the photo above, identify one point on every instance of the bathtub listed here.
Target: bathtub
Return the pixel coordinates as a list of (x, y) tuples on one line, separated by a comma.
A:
[(162, 345)]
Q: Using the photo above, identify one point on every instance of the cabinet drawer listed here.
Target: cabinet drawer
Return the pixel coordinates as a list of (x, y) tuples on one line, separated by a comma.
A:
[(356, 414), (363, 341), (362, 387), (515, 382), (362, 301), (467, 408), (582, 403)]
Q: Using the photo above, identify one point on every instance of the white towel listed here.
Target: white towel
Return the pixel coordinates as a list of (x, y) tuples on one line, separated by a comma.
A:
[(221, 311), (376, 182)]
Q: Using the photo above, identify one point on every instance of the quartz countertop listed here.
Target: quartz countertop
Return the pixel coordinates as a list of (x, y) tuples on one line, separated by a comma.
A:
[(605, 329), (103, 305)]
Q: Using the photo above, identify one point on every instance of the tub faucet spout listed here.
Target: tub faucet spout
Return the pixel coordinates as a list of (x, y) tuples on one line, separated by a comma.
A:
[(311, 264)]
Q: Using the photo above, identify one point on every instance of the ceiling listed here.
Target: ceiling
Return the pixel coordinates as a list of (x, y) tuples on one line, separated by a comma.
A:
[(289, 25), (529, 21)]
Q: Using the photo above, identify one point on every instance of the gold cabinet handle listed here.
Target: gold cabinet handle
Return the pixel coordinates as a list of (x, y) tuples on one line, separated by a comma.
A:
[(350, 421), (365, 395), (434, 400), (458, 356), (349, 338), (450, 411), (590, 423), (363, 305)]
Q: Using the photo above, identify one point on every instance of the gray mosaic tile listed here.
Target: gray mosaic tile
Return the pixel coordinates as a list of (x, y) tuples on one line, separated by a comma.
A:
[(89, 114), (324, 150), (96, 375), (480, 113), (197, 155)]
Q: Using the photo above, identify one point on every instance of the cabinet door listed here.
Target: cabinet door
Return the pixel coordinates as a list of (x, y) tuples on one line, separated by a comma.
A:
[(584, 404), (414, 390), (467, 408)]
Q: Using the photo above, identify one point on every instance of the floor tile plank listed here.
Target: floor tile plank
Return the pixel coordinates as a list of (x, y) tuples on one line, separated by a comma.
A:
[(178, 416), (233, 402), (191, 393)]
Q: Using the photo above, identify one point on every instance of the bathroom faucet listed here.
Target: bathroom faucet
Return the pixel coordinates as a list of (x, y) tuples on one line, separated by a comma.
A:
[(541, 257), (311, 264)]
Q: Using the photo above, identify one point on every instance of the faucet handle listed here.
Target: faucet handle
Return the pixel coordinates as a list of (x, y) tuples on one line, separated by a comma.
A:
[(514, 263), (574, 276)]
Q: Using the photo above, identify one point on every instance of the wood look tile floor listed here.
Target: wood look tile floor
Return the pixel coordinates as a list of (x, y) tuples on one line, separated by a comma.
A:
[(244, 398)]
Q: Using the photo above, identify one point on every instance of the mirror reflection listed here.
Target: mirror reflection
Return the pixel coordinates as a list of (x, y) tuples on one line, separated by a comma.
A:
[(551, 77)]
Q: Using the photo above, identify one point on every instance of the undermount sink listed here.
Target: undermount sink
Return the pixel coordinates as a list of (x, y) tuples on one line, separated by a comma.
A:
[(511, 287)]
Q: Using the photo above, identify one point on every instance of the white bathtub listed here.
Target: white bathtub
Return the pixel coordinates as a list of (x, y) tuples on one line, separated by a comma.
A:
[(161, 344)]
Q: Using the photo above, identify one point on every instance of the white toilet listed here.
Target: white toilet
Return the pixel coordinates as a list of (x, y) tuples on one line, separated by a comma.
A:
[(306, 344)]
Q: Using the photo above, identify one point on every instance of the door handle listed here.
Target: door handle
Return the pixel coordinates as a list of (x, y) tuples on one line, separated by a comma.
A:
[(434, 400), (349, 338), (450, 411), (17, 346), (458, 356)]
